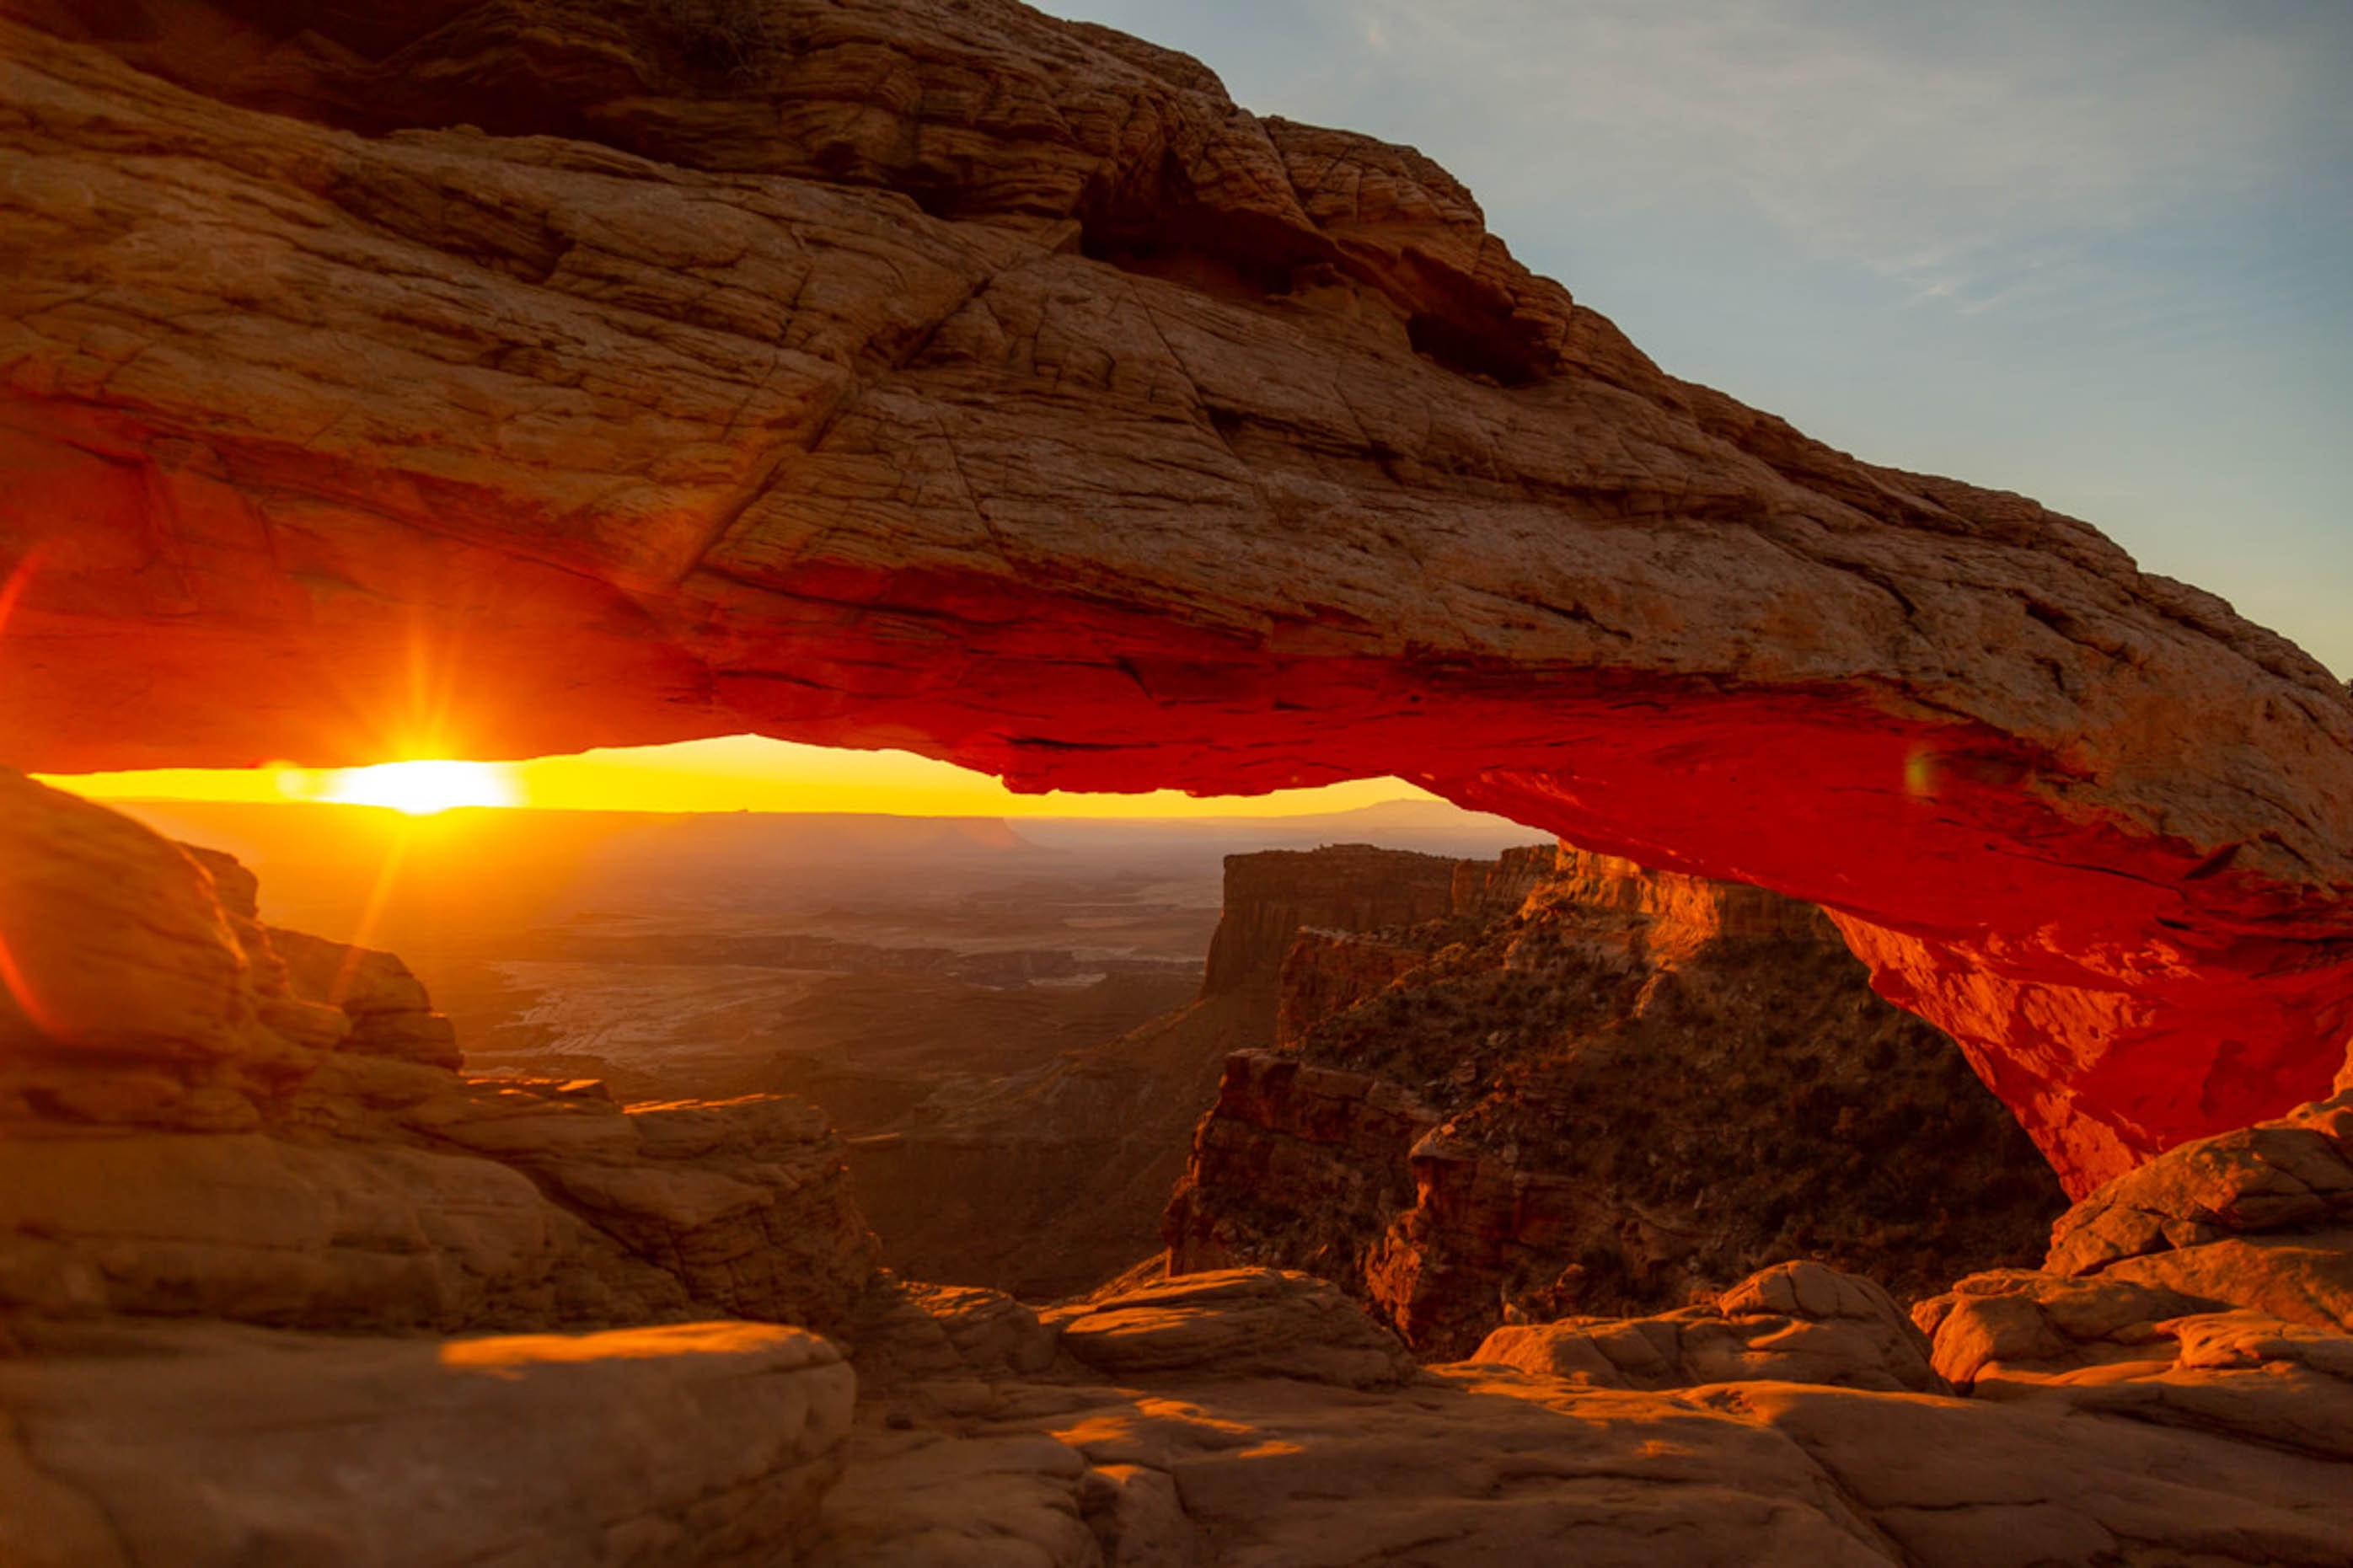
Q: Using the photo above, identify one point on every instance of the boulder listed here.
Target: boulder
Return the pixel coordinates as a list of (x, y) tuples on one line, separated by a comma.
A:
[(1794, 1322), (1238, 1323), (2253, 1227)]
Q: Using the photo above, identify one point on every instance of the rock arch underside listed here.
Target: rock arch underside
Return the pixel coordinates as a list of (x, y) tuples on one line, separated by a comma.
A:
[(497, 377)]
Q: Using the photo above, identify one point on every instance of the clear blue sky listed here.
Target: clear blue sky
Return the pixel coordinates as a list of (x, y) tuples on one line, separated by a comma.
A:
[(2100, 251)]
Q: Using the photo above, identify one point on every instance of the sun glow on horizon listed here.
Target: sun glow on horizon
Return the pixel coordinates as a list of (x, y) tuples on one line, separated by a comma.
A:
[(727, 774), (417, 788)]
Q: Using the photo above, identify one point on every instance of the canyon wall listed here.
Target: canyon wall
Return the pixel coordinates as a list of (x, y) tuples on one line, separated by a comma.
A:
[(496, 378), (1598, 1091), (1270, 895), (1048, 1182)]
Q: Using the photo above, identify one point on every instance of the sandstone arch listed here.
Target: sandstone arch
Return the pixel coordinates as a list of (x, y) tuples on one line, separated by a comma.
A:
[(501, 377)]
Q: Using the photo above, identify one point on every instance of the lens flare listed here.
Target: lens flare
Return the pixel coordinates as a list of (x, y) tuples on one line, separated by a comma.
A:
[(19, 990), (13, 585), (1920, 773), (423, 788), (293, 782)]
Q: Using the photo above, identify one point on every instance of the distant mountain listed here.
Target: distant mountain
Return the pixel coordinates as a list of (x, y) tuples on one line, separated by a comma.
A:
[(1432, 827), (426, 884)]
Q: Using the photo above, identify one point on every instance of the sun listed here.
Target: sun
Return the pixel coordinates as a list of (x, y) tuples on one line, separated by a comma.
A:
[(420, 789)]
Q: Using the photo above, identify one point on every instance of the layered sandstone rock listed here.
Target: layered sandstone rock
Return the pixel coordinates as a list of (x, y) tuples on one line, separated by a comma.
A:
[(1271, 897), (192, 1124), (947, 376), (1795, 1322), (205, 1447), (1241, 1322), (1199, 1455), (1596, 1090), (2233, 1252), (213, 1133), (391, 1014)]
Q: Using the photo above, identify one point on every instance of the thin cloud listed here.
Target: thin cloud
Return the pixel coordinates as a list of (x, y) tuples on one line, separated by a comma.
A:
[(2099, 251), (1921, 153)]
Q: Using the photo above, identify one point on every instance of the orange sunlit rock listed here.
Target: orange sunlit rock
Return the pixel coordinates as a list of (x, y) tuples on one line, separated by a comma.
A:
[(1121, 440), (516, 1353)]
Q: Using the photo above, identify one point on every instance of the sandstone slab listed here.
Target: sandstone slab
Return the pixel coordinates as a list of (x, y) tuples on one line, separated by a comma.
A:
[(1795, 1322), (1240, 1322), (705, 1443)]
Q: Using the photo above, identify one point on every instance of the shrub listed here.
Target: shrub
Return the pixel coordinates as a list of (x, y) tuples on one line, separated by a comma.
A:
[(733, 38)]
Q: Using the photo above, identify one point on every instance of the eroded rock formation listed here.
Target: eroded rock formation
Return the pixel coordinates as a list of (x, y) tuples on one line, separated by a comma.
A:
[(1594, 1089), (246, 1193), (2233, 1252), (498, 376), (1240, 1417), (701, 1443), (2171, 1386), (1795, 1322), (1048, 1182), (184, 1133)]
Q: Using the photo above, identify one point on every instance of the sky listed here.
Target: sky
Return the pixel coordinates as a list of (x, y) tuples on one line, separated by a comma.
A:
[(2097, 251), (736, 773)]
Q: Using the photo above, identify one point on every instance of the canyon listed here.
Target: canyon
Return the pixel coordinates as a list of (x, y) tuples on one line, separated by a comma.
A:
[(1589, 1090), (281, 1282), (1049, 1180), (953, 378), (487, 378)]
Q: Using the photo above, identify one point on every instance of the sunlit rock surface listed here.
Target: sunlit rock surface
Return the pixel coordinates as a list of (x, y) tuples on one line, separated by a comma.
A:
[(1200, 1457), (1795, 1322), (514, 377), (1239, 1322), (184, 1133), (211, 1447), (2246, 1239)]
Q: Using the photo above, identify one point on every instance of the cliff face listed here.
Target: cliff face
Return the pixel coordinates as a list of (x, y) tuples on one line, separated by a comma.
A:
[(949, 377), (1621, 1091), (1046, 1183), (1270, 896)]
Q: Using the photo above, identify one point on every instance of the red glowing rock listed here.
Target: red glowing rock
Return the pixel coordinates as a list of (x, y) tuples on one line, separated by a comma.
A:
[(501, 379)]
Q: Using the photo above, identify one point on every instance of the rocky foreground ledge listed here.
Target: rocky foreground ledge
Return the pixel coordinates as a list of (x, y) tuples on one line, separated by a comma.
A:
[(280, 1284)]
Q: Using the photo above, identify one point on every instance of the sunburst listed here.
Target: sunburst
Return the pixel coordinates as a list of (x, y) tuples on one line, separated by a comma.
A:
[(423, 788)]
